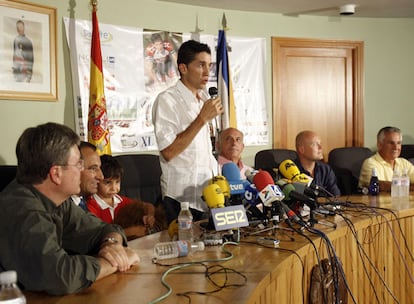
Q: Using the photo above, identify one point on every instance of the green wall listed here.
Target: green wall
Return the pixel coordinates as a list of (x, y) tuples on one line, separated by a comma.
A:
[(389, 63)]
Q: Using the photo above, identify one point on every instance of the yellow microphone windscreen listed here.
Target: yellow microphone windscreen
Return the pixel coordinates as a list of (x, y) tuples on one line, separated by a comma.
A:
[(213, 196)]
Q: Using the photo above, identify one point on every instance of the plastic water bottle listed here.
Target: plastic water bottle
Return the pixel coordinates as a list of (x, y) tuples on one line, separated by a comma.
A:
[(9, 291), (405, 184), (169, 250), (374, 183), (185, 223), (396, 184)]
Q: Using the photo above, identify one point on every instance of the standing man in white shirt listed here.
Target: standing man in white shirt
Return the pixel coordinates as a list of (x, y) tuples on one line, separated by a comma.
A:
[(181, 116)]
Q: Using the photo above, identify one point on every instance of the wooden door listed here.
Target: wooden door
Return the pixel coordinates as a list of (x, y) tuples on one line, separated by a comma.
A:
[(318, 86)]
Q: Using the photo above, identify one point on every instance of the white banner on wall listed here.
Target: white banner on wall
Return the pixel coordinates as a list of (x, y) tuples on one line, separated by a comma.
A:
[(138, 64)]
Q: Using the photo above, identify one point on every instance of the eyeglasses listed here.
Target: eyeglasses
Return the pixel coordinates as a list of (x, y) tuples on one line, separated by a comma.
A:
[(79, 164)]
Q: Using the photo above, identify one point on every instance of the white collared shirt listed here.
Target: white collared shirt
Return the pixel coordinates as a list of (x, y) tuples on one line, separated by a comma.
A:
[(184, 177), (104, 205)]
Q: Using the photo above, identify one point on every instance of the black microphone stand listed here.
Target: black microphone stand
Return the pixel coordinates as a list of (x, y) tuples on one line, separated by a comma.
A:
[(316, 208), (275, 213)]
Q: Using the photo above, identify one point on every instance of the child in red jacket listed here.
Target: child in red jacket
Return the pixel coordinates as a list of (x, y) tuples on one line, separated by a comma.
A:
[(107, 202)]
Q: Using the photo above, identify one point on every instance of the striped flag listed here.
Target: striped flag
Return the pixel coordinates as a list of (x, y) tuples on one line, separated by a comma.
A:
[(224, 84), (98, 131)]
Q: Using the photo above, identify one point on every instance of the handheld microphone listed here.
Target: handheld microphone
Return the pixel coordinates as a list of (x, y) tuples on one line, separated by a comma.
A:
[(268, 191), (214, 131), (213, 92)]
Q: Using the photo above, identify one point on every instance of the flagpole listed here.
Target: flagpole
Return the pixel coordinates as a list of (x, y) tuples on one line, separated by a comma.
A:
[(224, 82)]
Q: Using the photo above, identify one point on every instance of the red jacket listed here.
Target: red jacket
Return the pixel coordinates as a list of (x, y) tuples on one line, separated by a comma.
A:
[(105, 214)]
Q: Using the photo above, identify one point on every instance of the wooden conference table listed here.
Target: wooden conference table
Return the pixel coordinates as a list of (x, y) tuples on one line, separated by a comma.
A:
[(275, 275)]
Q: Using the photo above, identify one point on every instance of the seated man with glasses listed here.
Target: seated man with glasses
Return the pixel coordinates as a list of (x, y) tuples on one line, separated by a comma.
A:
[(54, 246)]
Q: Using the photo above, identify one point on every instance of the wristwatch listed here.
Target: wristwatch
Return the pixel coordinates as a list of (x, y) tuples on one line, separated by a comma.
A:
[(111, 240)]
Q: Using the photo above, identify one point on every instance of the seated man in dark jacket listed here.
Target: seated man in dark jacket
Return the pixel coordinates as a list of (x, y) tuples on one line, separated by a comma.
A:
[(54, 245), (309, 150)]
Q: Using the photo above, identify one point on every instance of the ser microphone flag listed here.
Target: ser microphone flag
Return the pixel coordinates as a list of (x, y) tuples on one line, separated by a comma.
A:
[(224, 218)]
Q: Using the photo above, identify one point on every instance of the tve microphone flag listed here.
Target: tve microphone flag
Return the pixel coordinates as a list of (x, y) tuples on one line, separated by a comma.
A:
[(98, 131), (224, 84)]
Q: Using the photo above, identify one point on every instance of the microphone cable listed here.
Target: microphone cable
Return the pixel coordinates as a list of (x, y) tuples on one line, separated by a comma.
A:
[(318, 258), (335, 264), (178, 266), (362, 252), (278, 248)]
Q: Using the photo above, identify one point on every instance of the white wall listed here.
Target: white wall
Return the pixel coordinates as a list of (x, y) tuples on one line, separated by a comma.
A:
[(389, 63)]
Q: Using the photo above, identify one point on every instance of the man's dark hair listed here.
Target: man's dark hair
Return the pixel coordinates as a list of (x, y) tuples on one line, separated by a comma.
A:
[(39, 148), (86, 144), (111, 167), (189, 50)]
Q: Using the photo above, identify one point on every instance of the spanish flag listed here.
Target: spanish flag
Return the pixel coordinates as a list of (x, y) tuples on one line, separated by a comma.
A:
[(98, 131), (224, 84)]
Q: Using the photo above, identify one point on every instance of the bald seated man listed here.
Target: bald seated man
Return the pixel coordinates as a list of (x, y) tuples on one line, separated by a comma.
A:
[(309, 161)]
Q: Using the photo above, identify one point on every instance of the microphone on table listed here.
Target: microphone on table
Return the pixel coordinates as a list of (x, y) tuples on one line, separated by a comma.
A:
[(237, 185), (290, 171), (214, 198), (250, 175), (290, 195), (301, 181), (293, 195), (252, 200), (222, 182), (222, 217), (268, 191), (269, 194)]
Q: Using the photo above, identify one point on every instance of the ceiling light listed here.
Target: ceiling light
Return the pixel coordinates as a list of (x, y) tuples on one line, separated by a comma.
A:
[(347, 9)]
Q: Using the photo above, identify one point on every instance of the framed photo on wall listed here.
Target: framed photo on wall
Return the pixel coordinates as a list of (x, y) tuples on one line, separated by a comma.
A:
[(28, 68)]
